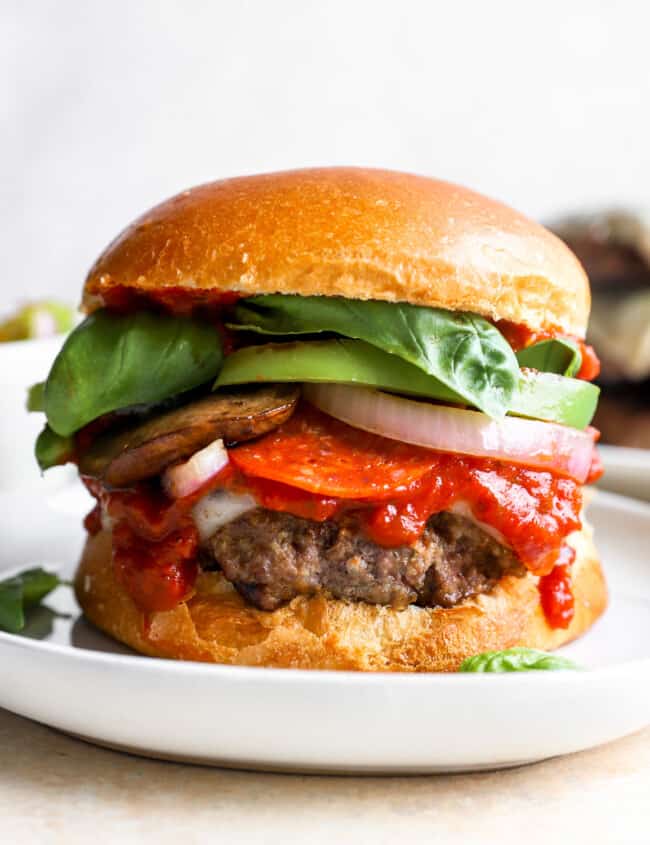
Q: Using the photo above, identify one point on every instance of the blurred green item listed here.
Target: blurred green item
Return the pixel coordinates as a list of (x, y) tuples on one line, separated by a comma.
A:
[(38, 319)]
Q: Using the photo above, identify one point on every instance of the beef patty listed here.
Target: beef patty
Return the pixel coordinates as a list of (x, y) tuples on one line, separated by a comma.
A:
[(271, 556)]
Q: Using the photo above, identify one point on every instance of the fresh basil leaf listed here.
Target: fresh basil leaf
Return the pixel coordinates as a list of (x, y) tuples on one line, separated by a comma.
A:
[(21, 592), (559, 356), (36, 397), (463, 351), (114, 361), (51, 449), (12, 616), (516, 660), (543, 396), (37, 583)]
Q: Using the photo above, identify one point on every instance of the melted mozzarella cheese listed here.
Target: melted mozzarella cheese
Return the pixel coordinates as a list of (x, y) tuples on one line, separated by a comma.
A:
[(218, 508)]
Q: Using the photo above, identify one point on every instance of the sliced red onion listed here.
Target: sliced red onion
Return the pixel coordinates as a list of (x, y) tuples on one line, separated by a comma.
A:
[(539, 445), (186, 478)]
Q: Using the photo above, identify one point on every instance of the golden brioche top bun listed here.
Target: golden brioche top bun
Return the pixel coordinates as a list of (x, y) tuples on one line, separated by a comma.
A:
[(352, 232)]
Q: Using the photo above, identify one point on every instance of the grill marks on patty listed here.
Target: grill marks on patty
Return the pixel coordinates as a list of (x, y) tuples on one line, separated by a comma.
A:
[(271, 557)]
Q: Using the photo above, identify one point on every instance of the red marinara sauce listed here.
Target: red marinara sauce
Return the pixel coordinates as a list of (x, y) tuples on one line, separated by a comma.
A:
[(317, 467), (155, 542), (158, 575), (534, 512), (175, 300), (519, 337), (555, 593)]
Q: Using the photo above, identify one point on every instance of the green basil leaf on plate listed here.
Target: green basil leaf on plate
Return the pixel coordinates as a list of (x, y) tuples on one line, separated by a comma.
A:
[(113, 361), (517, 660), (463, 351), (22, 592), (559, 356), (12, 616)]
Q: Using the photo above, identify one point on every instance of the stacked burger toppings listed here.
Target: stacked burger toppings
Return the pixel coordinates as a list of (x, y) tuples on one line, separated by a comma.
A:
[(279, 397)]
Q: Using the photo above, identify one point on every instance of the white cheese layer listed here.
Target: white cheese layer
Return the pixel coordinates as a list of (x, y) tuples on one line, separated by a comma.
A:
[(218, 508)]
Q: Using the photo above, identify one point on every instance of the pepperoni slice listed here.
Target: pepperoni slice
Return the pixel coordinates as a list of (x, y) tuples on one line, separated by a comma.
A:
[(317, 453)]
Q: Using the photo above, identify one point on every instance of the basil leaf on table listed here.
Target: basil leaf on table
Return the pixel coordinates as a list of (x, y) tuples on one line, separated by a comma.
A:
[(51, 449), (22, 592), (463, 351), (113, 361), (517, 660), (559, 356)]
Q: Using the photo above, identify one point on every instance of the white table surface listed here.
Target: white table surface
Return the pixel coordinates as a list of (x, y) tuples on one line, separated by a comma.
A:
[(57, 789)]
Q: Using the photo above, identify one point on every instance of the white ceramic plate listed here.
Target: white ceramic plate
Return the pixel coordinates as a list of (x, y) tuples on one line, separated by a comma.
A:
[(627, 471), (65, 674)]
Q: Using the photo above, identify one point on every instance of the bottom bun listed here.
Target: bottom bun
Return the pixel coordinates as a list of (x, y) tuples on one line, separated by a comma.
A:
[(216, 625)]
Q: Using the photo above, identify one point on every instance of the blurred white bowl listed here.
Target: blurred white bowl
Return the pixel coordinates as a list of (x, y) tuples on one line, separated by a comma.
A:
[(22, 363), (627, 471)]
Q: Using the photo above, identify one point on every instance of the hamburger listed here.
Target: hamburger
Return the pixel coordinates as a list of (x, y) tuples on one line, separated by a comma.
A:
[(332, 419)]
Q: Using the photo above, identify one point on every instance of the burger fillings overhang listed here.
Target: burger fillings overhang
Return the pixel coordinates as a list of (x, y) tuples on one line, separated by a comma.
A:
[(420, 410)]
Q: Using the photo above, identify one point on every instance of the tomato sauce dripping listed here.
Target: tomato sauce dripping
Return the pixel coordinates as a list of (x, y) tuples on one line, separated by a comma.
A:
[(519, 337), (590, 367), (556, 595), (157, 575), (155, 541), (93, 520)]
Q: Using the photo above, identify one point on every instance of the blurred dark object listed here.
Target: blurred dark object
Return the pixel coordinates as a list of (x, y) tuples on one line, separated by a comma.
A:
[(623, 416), (614, 248)]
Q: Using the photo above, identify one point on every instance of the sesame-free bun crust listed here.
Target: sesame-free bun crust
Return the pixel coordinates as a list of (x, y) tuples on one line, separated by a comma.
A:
[(352, 232), (217, 626)]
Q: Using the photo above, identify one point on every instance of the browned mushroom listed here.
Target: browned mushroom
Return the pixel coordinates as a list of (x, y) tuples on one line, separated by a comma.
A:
[(145, 449)]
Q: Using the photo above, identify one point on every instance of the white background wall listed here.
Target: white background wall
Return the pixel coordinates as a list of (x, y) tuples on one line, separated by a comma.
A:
[(108, 107)]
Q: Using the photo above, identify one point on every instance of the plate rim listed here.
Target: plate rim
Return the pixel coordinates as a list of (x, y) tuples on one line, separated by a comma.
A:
[(627, 457)]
